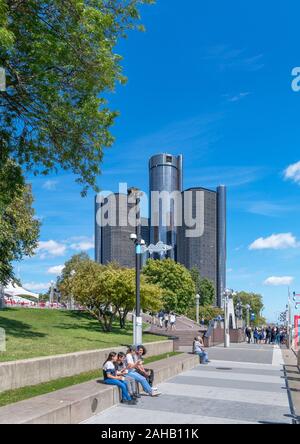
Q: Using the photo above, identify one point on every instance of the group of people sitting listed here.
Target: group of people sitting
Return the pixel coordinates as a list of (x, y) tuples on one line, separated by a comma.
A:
[(127, 371)]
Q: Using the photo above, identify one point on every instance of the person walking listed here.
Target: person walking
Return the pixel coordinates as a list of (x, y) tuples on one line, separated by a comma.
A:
[(248, 334), (173, 321), (160, 318), (256, 335), (166, 320), (268, 335)]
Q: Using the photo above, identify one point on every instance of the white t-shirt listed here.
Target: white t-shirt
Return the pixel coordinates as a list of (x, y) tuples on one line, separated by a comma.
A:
[(109, 368), (129, 361), (172, 319)]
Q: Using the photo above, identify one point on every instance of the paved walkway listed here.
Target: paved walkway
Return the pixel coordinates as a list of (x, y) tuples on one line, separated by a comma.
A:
[(243, 384)]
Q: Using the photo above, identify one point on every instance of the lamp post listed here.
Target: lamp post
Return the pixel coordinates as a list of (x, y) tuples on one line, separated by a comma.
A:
[(197, 308), (248, 307), (227, 295), (136, 238), (2, 304), (2, 80)]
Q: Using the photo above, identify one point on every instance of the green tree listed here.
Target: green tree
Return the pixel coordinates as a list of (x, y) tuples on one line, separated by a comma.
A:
[(204, 287), (176, 282), (106, 291), (207, 312), (19, 229), (91, 286), (60, 62), (124, 294), (256, 303)]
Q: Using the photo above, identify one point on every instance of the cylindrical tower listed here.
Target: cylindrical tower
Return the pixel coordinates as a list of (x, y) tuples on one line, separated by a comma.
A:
[(98, 234), (165, 173), (221, 243)]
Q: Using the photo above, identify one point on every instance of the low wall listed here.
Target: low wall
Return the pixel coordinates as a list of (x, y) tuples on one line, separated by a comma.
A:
[(217, 337), (35, 371), (75, 404)]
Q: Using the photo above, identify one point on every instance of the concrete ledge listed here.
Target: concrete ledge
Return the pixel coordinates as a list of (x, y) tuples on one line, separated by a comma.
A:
[(78, 403), (16, 374)]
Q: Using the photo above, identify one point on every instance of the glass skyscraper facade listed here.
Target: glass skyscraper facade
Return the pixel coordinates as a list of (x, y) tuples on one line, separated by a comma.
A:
[(165, 174), (207, 252)]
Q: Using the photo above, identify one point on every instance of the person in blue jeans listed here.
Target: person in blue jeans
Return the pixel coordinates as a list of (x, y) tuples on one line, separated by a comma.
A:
[(198, 349), (111, 378), (131, 363)]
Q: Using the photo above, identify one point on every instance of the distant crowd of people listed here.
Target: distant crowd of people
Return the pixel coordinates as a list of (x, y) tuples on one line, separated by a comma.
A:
[(164, 319), (127, 371), (269, 335)]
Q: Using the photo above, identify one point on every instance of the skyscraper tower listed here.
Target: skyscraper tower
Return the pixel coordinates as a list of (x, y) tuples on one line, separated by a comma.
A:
[(112, 241), (206, 253), (221, 243), (165, 173)]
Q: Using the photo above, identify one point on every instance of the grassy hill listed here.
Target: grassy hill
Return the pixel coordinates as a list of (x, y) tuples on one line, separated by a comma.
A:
[(32, 333)]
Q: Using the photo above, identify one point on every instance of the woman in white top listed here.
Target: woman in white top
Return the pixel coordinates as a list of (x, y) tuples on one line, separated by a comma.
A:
[(112, 378)]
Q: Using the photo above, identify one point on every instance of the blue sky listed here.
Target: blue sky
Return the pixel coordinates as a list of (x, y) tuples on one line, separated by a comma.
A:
[(211, 80)]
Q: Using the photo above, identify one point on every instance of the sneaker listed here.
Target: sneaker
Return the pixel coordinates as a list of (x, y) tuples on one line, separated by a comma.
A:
[(154, 389), (137, 395), (132, 402), (155, 393)]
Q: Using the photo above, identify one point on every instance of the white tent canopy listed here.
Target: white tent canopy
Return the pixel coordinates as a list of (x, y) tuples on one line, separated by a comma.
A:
[(14, 290)]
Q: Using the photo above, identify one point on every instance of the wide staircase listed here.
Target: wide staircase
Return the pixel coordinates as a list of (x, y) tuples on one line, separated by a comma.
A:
[(184, 333)]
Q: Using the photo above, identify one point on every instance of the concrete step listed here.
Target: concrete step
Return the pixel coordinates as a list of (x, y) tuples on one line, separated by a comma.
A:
[(78, 403)]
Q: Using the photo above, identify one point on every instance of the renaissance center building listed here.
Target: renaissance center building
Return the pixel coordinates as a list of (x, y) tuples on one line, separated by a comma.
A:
[(206, 252), (165, 174)]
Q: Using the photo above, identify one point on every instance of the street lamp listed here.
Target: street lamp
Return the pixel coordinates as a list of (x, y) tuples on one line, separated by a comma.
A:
[(228, 294), (197, 307), (136, 238), (2, 303), (248, 307)]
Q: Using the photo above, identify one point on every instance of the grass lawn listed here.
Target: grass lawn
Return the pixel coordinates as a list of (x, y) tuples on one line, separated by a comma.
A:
[(32, 333), (12, 396)]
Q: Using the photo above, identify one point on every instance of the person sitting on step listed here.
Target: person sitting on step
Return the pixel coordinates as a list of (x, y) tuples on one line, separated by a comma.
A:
[(132, 385), (111, 378), (132, 362), (198, 349)]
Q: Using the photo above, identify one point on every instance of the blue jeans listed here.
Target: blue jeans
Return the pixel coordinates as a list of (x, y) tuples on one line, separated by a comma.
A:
[(122, 385), (142, 380), (203, 356)]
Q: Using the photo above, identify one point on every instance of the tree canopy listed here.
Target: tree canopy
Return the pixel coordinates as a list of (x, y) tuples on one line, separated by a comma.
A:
[(60, 61), (19, 229), (204, 287), (256, 303), (176, 282), (106, 291)]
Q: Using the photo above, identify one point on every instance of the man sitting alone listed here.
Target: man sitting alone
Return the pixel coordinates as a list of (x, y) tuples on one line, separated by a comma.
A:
[(198, 349)]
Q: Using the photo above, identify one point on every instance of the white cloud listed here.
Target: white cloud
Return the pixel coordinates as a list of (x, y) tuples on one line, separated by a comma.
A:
[(83, 246), (293, 172), (35, 286), (237, 97), (50, 185), (82, 243), (51, 248), (279, 280), (57, 269), (275, 242)]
